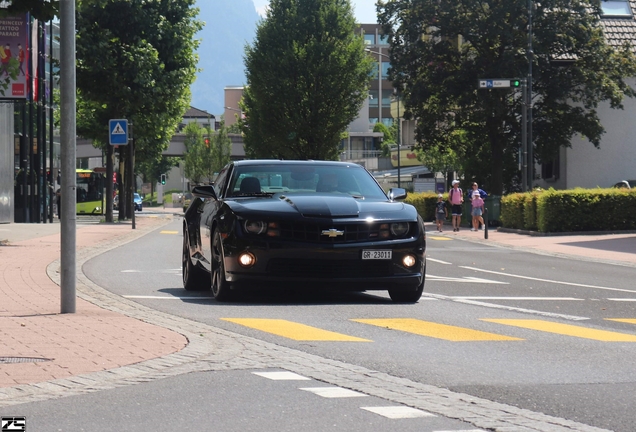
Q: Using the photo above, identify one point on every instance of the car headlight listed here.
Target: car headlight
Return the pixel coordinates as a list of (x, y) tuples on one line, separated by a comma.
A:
[(255, 227), (399, 229)]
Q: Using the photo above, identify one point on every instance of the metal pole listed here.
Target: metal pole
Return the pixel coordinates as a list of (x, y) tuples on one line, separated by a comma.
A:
[(530, 55), (399, 131), (68, 153), (524, 135)]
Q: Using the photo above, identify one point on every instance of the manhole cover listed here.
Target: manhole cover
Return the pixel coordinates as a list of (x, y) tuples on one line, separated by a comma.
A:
[(5, 360)]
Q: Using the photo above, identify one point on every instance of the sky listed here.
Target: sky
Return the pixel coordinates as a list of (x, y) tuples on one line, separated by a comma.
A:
[(364, 10)]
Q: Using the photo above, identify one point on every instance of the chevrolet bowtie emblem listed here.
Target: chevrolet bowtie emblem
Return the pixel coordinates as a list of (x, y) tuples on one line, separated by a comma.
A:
[(332, 232)]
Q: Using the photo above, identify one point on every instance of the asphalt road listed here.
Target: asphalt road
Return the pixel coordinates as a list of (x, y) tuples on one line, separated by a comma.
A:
[(548, 334)]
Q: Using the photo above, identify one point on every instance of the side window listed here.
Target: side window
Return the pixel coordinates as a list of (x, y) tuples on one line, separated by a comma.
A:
[(219, 184)]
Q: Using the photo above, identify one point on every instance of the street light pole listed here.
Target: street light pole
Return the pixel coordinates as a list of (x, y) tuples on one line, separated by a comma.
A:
[(399, 137), (397, 93), (530, 55)]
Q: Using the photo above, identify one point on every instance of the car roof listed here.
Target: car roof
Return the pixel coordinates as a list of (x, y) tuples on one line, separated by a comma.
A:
[(248, 162)]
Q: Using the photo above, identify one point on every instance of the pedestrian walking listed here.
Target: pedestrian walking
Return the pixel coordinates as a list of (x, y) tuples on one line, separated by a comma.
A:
[(441, 213), (456, 199), (477, 209), (482, 194)]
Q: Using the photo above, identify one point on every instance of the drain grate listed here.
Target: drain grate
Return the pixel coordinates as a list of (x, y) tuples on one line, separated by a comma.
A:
[(6, 360)]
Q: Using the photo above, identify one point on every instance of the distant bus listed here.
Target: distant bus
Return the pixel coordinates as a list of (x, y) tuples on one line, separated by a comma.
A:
[(90, 191)]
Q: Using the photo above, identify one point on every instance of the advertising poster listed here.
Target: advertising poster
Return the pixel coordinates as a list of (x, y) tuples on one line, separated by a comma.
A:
[(13, 57)]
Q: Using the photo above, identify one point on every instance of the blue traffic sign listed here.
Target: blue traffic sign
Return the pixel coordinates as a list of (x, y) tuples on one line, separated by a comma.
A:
[(118, 131)]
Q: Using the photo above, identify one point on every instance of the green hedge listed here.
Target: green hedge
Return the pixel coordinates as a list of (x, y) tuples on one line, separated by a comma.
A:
[(425, 203), (570, 210)]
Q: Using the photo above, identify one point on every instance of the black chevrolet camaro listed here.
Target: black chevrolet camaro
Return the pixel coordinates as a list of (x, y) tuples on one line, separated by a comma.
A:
[(302, 224)]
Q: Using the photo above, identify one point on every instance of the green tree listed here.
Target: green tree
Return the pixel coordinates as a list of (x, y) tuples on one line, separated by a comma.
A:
[(387, 141), (307, 77), (220, 149), (440, 49), (40, 9), (135, 60), (195, 153)]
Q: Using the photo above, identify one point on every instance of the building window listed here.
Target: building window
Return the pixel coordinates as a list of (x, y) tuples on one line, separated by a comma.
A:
[(385, 70), (374, 71), (550, 169), (384, 40), (387, 121), (387, 95), (616, 8), (373, 98), (369, 39)]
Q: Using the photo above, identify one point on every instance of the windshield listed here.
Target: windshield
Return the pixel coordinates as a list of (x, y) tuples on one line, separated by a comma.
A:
[(269, 179)]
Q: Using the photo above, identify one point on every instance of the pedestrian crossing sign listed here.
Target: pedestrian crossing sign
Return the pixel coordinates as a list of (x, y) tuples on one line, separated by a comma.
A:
[(118, 131)]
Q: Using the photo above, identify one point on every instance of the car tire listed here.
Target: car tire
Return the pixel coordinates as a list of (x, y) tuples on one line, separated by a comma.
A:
[(221, 289), (194, 279), (407, 296)]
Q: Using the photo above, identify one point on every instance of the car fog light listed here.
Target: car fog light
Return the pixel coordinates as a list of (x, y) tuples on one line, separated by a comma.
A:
[(246, 259), (409, 261)]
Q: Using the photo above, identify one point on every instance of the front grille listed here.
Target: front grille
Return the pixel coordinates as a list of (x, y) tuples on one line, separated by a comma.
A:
[(284, 267), (351, 233)]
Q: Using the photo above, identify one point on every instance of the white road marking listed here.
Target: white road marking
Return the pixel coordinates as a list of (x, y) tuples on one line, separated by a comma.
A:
[(437, 261), (622, 299), (463, 430), (430, 277), (165, 297), (278, 376), (508, 308), (398, 412), (549, 280), (333, 392), (172, 271), (516, 298)]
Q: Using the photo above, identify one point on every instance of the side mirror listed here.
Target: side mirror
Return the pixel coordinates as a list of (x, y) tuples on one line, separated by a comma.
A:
[(205, 191), (397, 194)]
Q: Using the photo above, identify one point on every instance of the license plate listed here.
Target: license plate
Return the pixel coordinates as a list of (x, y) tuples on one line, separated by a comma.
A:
[(377, 254)]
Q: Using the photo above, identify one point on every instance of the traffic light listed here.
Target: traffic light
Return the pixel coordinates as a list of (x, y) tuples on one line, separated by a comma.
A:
[(207, 142), (163, 179), (515, 83)]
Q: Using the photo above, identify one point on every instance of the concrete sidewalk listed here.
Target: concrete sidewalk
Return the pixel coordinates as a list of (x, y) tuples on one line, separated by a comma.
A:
[(611, 248), (39, 344)]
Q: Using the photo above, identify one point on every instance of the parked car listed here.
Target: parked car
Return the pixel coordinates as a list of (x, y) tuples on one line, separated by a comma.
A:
[(138, 202), (302, 224), (626, 184), (137, 199)]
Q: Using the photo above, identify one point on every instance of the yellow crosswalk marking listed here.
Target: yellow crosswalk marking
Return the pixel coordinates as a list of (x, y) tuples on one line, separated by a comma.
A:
[(623, 320), (438, 238), (292, 330), (168, 232), (567, 330), (434, 330)]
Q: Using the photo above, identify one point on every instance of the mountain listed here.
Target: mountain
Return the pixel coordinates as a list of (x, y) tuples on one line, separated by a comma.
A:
[(229, 26)]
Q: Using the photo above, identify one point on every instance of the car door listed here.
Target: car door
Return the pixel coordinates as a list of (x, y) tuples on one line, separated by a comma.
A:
[(210, 209)]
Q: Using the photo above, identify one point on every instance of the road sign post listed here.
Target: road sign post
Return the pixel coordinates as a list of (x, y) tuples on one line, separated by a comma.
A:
[(118, 131)]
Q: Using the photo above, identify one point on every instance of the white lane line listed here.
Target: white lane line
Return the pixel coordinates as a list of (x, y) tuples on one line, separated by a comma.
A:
[(398, 412), (516, 298), (282, 376), (622, 299), (437, 261), (175, 271), (508, 308), (549, 280), (430, 277), (333, 392), (463, 430), (165, 297)]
